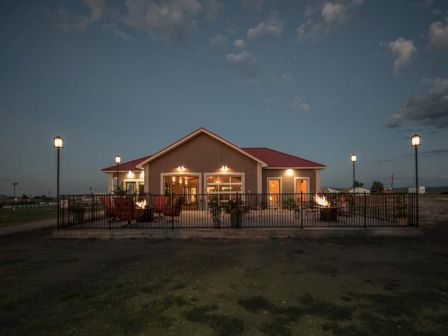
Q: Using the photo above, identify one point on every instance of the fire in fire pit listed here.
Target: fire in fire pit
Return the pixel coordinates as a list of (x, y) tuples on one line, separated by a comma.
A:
[(328, 213)]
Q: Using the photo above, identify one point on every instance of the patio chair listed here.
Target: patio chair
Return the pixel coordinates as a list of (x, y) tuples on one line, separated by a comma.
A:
[(109, 209), (125, 209), (160, 204), (175, 209)]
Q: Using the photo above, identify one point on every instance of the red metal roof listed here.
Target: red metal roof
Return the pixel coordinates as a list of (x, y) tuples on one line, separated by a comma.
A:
[(126, 166), (280, 160)]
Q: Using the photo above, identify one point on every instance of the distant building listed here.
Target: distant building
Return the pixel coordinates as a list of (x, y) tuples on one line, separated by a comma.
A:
[(421, 190)]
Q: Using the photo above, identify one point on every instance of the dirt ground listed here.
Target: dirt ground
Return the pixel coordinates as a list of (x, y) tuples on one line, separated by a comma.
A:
[(343, 286)]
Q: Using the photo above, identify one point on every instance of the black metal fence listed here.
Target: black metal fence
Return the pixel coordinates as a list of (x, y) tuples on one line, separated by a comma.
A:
[(298, 210)]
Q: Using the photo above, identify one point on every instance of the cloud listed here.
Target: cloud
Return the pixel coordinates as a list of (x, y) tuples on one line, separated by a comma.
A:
[(219, 42), (239, 44), (245, 63), (113, 28), (212, 9), (272, 27), (430, 109), (404, 51), (322, 19), (171, 20), (66, 20), (299, 104), (282, 79), (256, 5), (438, 35)]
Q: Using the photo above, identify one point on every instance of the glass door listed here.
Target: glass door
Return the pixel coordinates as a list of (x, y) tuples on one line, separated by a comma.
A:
[(274, 192)]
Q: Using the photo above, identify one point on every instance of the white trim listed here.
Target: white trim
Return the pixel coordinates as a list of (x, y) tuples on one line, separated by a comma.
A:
[(192, 135), (302, 178), (162, 176), (243, 179), (294, 168)]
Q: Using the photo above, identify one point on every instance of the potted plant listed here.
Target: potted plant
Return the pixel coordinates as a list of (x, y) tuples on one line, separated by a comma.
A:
[(77, 210), (215, 209), (289, 204), (400, 212), (235, 210)]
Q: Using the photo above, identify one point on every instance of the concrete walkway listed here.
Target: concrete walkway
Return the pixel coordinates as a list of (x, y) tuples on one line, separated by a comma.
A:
[(13, 229)]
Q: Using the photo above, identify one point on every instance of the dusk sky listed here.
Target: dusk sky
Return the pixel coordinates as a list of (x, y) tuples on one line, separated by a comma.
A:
[(317, 79)]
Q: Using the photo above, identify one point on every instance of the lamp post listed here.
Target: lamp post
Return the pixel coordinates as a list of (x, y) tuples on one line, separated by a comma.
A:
[(354, 158), (117, 162), (58, 144), (415, 142), (14, 185)]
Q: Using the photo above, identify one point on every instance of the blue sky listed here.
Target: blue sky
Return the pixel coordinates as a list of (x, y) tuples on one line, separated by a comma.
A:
[(319, 79)]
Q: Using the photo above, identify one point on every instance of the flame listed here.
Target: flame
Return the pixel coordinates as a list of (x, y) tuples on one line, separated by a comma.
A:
[(141, 204), (321, 201)]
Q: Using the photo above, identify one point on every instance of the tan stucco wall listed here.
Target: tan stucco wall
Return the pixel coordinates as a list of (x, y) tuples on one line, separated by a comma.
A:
[(288, 181), (202, 154)]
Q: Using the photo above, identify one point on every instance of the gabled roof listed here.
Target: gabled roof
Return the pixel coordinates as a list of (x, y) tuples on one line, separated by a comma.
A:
[(192, 135), (267, 157), (126, 166), (276, 159)]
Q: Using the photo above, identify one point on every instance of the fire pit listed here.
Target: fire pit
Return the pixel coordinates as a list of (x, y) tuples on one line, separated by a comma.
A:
[(328, 213)]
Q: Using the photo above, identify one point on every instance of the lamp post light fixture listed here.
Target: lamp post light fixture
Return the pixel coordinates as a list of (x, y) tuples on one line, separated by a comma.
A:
[(354, 158), (117, 162), (415, 142), (14, 185), (58, 142)]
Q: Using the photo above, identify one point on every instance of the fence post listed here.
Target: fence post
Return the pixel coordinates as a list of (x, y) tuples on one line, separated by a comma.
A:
[(365, 210), (172, 218), (301, 209)]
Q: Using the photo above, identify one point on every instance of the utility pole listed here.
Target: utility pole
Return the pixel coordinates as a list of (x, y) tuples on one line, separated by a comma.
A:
[(392, 183)]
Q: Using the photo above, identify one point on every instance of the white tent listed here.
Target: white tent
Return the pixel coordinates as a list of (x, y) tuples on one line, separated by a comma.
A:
[(360, 190)]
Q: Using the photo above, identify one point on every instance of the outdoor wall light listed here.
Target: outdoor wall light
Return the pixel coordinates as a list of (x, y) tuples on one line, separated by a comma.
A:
[(181, 168), (224, 168), (415, 140), (173, 178), (289, 172), (130, 174), (58, 142)]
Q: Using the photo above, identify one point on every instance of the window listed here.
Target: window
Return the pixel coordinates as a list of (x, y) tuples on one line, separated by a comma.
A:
[(224, 184)]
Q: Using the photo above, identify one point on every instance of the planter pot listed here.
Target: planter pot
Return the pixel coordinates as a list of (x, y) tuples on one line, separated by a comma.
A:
[(78, 215), (235, 219), (402, 221)]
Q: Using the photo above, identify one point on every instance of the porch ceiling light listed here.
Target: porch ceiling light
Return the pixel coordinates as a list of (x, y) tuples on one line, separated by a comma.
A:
[(130, 174), (289, 172), (58, 142), (415, 140), (117, 159), (354, 158)]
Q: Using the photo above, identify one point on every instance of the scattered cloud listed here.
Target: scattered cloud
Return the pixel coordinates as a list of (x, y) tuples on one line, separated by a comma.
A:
[(323, 18), (299, 104), (171, 20), (245, 63), (282, 79), (67, 20), (404, 51), (113, 28), (430, 109), (252, 5), (212, 9), (219, 42), (272, 27), (438, 35), (239, 44)]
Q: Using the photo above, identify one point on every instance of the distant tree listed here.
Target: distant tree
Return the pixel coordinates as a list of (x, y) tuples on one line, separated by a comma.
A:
[(358, 184), (377, 186), (24, 197)]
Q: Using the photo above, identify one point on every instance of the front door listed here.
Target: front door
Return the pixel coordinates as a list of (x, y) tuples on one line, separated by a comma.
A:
[(301, 189), (274, 192)]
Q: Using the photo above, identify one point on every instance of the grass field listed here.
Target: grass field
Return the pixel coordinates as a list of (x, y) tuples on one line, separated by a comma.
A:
[(21, 216), (345, 286)]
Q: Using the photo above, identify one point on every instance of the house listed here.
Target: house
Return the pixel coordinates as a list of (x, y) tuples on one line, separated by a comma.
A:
[(205, 163)]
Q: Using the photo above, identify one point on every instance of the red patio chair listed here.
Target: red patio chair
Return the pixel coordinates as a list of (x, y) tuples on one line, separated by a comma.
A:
[(175, 209), (125, 209), (160, 204), (109, 209)]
